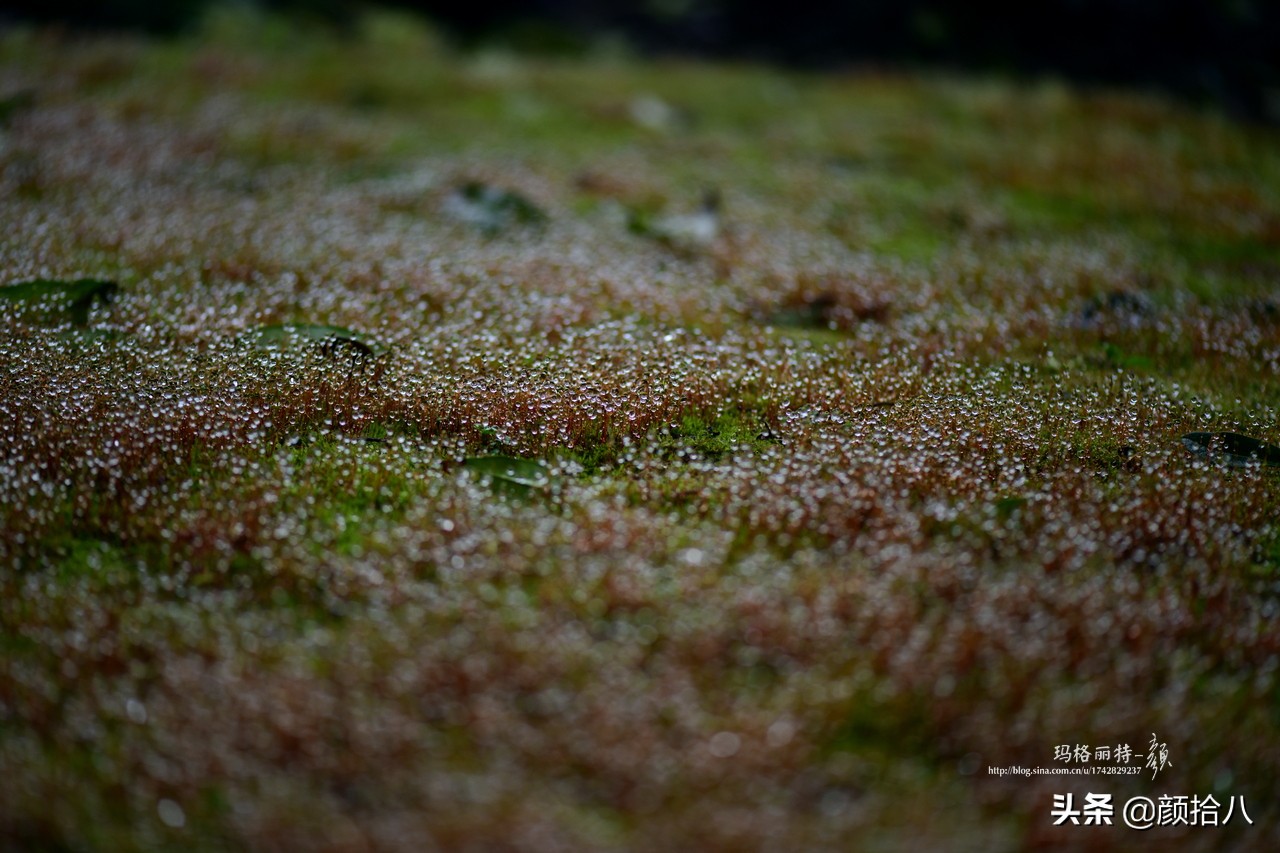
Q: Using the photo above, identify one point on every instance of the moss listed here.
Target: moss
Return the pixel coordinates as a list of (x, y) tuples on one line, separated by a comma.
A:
[(716, 437), (1056, 214), (592, 454), (816, 335), (897, 729), (101, 562)]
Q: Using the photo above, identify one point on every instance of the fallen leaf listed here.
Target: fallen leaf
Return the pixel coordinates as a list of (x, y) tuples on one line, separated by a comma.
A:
[(333, 340), (509, 474), (14, 103), (73, 298), (491, 209), (1231, 447)]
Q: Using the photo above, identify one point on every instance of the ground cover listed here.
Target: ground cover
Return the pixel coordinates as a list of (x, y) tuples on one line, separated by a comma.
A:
[(402, 448)]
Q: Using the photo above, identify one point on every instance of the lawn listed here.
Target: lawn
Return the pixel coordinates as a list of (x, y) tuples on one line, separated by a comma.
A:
[(409, 448)]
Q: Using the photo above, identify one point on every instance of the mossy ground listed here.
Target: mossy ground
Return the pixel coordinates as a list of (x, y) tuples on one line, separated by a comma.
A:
[(873, 485)]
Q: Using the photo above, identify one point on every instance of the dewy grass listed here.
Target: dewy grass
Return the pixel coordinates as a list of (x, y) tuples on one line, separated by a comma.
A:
[(880, 484)]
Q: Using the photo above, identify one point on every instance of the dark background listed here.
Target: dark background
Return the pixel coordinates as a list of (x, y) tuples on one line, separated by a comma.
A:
[(1224, 53)]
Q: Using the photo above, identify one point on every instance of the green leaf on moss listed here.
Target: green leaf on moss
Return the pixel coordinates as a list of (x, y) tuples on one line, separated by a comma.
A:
[(509, 475), (74, 299), (492, 209), (1231, 448), (333, 340), (14, 103)]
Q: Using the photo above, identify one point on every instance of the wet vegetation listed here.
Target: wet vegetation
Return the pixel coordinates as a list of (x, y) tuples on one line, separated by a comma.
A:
[(388, 487)]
